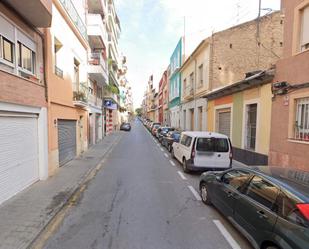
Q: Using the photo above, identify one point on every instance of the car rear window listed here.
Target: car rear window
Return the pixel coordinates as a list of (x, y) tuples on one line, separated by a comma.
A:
[(176, 135), (212, 144)]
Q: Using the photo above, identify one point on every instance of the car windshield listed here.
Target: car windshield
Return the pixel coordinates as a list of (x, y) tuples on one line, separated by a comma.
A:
[(176, 136), (212, 144)]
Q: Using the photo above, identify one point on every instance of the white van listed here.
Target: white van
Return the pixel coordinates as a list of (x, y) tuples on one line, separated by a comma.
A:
[(198, 151)]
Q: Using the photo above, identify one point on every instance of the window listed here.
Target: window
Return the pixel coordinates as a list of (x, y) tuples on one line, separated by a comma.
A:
[(8, 48), (26, 58), (188, 141), (183, 139), (302, 119), (200, 73), (211, 144), (304, 36), (236, 178), (191, 80), (262, 191), (251, 126), (76, 72), (185, 84), (57, 51), (287, 209)]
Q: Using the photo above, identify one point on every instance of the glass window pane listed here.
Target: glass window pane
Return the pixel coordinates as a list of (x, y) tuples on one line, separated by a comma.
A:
[(26, 58), (262, 192), (236, 178), (8, 50)]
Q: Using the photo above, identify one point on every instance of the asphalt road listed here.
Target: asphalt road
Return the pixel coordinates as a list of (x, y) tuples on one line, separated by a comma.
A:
[(140, 199)]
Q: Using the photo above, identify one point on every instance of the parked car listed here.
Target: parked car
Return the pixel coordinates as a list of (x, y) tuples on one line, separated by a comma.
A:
[(125, 127), (162, 132), (154, 129), (153, 124), (200, 151), (170, 138), (269, 205)]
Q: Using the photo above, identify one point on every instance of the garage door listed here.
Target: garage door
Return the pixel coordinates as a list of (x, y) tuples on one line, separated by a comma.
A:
[(19, 163), (224, 122), (66, 140)]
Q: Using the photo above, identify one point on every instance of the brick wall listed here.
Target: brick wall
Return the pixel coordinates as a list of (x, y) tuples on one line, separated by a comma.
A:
[(14, 89), (236, 51)]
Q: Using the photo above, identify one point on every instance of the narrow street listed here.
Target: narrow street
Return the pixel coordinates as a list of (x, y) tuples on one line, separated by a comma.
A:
[(141, 199)]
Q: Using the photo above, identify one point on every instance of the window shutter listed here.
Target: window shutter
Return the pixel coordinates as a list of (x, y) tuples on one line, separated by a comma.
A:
[(7, 29), (305, 27)]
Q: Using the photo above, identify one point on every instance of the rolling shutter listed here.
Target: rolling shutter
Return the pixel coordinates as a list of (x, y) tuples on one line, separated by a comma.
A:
[(19, 157), (66, 140), (225, 123)]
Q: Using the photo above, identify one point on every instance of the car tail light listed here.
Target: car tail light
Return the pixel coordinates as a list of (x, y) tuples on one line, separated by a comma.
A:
[(193, 150), (304, 209), (231, 155)]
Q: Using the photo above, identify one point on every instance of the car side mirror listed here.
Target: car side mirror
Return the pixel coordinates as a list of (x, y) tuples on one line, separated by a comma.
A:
[(219, 178)]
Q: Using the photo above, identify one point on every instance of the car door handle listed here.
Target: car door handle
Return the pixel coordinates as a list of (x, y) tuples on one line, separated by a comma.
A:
[(262, 215)]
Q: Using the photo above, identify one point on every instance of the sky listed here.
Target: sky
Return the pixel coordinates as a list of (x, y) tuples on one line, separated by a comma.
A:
[(152, 28)]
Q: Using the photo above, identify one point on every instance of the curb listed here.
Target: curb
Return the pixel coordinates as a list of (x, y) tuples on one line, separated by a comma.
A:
[(79, 187)]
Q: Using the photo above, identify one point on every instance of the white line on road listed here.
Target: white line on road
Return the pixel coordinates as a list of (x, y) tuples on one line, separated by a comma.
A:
[(166, 155), (172, 163), (196, 195), (226, 235), (181, 175), (161, 149), (158, 145)]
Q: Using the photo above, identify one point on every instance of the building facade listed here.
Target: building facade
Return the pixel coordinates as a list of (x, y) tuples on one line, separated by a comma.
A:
[(67, 78), (195, 84), (23, 105), (175, 85), (165, 96), (289, 144), (242, 66)]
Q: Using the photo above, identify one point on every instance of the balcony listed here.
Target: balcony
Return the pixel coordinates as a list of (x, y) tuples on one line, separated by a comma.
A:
[(41, 8), (188, 93), (73, 14), (97, 68), (112, 96), (96, 6), (95, 101), (80, 95), (97, 33)]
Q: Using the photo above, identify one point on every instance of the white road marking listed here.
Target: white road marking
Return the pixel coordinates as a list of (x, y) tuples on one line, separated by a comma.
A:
[(166, 155), (158, 145), (161, 149), (181, 175), (226, 235), (196, 194), (172, 163)]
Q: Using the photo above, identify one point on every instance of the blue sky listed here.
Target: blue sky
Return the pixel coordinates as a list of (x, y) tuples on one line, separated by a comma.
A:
[(152, 28)]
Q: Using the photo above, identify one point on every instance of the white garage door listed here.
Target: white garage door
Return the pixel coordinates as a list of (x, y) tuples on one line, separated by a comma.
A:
[(19, 164)]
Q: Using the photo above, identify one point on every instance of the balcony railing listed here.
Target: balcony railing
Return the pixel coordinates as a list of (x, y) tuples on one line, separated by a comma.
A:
[(96, 21), (59, 72), (80, 95), (97, 59), (72, 12), (95, 100)]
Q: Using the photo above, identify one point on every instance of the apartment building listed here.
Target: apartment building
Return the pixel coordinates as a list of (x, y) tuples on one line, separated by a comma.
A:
[(67, 77), (195, 84), (97, 13), (242, 67), (289, 143), (175, 84), (111, 94), (23, 105), (165, 95)]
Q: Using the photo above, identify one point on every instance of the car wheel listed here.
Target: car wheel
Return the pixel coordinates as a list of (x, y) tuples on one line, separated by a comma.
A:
[(185, 166), (169, 147), (204, 194), (172, 153)]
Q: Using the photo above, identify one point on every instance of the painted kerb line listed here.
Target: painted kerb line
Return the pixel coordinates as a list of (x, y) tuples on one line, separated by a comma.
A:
[(166, 155), (172, 163), (196, 194), (181, 175), (226, 235)]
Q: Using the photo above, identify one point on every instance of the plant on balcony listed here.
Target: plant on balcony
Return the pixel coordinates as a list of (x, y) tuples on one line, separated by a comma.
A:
[(79, 96)]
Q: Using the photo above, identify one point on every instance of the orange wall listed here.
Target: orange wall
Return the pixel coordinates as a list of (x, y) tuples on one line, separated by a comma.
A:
[(224, 100)]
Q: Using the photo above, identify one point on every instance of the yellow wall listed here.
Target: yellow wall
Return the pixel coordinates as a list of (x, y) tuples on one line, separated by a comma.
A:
[(210, 115)]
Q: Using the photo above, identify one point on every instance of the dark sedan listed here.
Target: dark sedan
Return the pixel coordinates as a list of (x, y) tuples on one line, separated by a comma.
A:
[(162, 132), (125, 127), (170, 138), (269, 205)]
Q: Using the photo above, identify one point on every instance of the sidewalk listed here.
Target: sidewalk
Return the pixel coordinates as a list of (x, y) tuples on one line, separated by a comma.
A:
[(25, 215)]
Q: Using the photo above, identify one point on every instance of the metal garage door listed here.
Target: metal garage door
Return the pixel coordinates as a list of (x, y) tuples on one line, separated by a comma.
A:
[(19, 163), (66, 140), (97, 123), (224, 123)]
